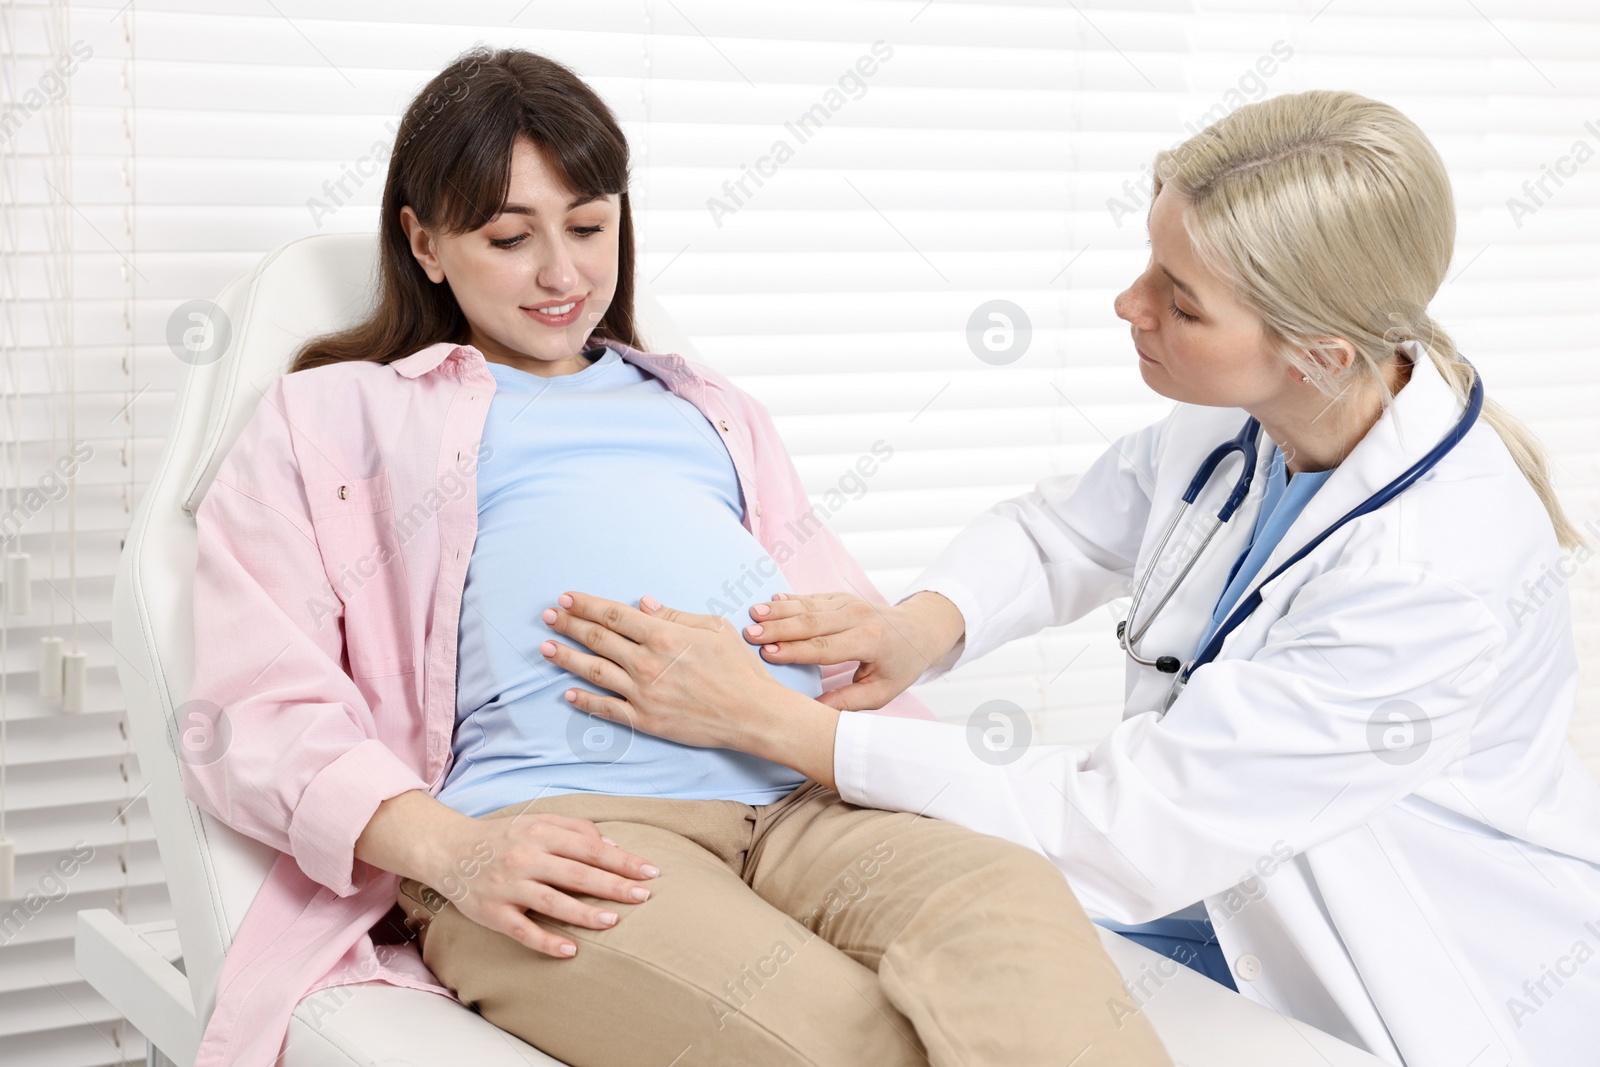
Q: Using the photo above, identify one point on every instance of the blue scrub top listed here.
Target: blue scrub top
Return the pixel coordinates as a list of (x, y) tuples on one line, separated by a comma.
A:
[(1284, 500)]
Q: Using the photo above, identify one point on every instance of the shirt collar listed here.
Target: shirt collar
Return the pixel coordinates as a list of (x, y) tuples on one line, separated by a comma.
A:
[(670, 367)]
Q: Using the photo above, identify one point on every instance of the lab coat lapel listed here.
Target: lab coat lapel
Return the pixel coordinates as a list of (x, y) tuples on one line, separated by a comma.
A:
[(1424, 410)]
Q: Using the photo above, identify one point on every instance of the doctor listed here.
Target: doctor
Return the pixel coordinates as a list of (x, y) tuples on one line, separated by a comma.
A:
[(1347, 706)]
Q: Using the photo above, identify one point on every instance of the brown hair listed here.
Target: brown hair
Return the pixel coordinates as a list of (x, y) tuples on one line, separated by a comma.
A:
[(452, 163)]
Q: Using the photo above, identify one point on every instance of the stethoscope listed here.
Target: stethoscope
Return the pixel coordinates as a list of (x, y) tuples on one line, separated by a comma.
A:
[(1245, 445)]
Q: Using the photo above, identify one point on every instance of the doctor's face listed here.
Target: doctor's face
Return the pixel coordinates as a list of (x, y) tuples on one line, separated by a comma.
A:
[(1196, 342)]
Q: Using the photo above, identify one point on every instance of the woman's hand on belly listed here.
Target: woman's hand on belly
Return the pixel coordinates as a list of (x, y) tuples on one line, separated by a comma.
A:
[(689, 678)]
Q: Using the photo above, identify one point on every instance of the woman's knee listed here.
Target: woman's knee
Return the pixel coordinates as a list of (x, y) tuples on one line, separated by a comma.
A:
[(999, 877), (1015, 864)]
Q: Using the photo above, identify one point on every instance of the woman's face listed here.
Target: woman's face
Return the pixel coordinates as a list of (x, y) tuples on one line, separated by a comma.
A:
[(536, 279), (1197, 342)]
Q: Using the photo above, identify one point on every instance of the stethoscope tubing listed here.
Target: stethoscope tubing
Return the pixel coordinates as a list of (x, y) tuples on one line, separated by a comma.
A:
[(1245, 444)]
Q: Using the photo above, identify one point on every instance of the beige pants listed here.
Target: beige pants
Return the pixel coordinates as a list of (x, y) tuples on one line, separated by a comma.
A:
[(805, 931)]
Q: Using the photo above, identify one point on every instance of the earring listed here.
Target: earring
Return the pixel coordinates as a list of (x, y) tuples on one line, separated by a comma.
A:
[(1305, 377)]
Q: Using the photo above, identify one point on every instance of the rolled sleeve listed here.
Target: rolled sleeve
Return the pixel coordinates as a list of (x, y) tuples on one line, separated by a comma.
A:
[(337, 806)]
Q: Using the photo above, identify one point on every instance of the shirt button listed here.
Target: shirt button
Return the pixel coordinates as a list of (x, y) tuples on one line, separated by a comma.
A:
[(344, 492), (1247, 967), (724, 424)]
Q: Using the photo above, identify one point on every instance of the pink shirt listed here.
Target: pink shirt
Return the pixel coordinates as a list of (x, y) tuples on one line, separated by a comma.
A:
[(333, 548)]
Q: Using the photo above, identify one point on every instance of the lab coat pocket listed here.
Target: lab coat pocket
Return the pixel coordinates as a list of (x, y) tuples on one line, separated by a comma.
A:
[(355, 527)]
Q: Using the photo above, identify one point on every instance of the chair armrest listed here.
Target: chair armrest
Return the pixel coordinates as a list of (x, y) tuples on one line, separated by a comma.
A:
[(137, 969)]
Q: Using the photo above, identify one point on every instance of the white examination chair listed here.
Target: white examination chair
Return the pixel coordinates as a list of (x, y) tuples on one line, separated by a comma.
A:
[(162, 976)]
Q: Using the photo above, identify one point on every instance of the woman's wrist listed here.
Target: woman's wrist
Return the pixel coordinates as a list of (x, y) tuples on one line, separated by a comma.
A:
[(412, 835), (796, 731)]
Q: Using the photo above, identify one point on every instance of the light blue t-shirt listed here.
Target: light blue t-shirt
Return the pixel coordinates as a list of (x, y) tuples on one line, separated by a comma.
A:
[(605, 482), (1281, 504)]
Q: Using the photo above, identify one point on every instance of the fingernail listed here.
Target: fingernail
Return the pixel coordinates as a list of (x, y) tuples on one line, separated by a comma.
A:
[(639, 892), (608, 917), (753, 631), (780, 596), (607, 840), (763, 610), (572, 696), (548, 648), (565, 600), (650, 602), (649, 871), (550, 615), (568, 950)]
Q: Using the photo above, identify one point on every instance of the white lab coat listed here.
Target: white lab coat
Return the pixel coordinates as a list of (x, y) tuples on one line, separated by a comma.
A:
[(1425, 887)]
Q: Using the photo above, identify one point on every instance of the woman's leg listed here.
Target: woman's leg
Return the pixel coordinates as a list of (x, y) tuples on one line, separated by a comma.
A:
[(704, 972), (979, 942)]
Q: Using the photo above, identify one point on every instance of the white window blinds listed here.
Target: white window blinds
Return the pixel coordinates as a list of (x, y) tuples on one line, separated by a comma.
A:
[(828, 195)]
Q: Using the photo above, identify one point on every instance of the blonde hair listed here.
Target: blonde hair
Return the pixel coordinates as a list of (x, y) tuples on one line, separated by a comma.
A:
[(1331, 214)]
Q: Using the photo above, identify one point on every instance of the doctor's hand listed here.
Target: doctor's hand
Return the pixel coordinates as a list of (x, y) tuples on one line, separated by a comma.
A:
[(895, 644)]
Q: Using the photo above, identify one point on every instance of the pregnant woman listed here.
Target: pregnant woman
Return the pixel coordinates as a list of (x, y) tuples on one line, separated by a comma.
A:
[(373, 556)]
